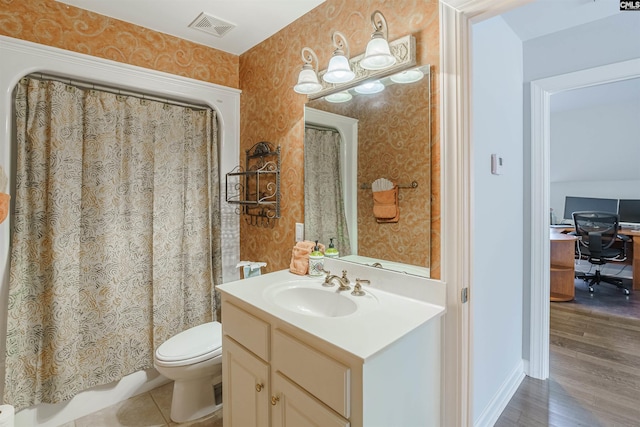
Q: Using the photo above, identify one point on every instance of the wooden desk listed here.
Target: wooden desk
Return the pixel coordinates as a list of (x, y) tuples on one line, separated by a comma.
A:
[(634, 256), (562, 266)]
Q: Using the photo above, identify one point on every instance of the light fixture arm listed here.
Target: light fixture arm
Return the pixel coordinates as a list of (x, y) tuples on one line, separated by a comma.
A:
[(340, 43), (379, 25), (310, 57)]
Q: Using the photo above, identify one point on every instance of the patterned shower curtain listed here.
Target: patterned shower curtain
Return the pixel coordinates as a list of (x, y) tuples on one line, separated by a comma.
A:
[(324, 216), (116, 245)]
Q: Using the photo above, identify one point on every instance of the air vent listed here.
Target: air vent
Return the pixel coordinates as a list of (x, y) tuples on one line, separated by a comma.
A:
[(212, 25)]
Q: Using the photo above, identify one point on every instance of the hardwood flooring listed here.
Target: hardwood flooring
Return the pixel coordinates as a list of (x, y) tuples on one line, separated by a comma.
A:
[(594, 366)]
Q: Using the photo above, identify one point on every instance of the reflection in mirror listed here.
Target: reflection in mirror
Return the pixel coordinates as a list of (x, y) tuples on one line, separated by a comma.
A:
[(382, 135)]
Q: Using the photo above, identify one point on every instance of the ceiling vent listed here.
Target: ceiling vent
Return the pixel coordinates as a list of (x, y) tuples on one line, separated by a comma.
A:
[(212, 25)]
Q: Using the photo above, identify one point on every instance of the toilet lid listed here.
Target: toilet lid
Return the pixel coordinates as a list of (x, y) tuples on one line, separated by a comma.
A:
[(199, 343)]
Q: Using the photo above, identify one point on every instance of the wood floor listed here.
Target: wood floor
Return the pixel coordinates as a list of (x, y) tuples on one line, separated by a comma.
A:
[(594, 368)]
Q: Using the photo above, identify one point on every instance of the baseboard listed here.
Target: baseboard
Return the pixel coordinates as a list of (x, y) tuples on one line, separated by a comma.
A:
[(501, 399)]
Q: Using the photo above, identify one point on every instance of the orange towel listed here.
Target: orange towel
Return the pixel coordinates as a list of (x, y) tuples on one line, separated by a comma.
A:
[(300, 256), (4, 206), (385, 205)]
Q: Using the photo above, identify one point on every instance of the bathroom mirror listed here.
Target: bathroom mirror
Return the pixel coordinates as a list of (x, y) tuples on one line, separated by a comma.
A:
[(382, 135)]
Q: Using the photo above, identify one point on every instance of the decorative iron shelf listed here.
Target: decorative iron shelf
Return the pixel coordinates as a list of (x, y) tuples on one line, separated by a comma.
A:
[(256, 187)]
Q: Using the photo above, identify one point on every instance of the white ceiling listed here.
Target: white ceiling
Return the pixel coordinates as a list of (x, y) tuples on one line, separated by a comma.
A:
[(543, 17), (254, 20)]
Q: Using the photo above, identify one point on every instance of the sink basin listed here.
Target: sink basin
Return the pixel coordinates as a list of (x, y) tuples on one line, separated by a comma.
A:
[(314, 301)]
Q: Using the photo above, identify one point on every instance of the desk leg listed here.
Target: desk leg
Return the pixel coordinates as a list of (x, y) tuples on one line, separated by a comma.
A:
[(636, 263)]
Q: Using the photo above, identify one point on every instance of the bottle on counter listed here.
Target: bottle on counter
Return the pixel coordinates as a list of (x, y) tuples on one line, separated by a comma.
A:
[(331, 251), (316, 262)]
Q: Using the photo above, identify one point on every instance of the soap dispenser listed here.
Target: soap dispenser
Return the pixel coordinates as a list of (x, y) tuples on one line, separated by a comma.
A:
[(331, 251), (316, 262)]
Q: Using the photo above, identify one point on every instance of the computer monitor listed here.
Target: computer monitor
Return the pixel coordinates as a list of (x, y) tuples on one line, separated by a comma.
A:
[(576, 204), (629, 211)]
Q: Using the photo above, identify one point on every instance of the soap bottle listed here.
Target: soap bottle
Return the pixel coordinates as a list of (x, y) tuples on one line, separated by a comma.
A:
[(331, 251), (316, 262)]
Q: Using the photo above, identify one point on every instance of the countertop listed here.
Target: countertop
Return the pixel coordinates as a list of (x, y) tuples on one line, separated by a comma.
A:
[(382, 316)]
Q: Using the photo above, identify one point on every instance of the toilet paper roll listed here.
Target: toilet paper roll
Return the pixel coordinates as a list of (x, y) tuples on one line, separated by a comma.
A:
[(7, 414)]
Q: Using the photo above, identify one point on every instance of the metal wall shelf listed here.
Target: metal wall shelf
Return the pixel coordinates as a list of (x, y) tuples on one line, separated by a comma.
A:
[(256, 188)]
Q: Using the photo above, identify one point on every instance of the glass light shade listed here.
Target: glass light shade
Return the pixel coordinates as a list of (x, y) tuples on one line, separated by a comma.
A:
[(377, 55), (339, 70), (339, 97), (409, 76), (307, 81), (370, 88)]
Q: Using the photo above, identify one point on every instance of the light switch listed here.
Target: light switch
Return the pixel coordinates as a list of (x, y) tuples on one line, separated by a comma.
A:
[(299, 232), (496, 164)]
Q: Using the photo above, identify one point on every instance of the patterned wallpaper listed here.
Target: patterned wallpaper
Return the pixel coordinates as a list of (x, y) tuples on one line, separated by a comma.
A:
[(393, 143), (272, 111), (56, 24)]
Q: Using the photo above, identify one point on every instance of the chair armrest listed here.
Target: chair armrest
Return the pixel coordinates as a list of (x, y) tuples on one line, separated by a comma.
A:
[(623, 237)]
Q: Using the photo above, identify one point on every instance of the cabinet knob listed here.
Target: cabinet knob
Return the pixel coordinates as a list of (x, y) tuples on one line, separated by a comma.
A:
[(275, 400), (259, 387)]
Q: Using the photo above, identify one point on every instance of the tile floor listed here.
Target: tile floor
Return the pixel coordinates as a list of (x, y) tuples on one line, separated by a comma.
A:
[(149, 409)]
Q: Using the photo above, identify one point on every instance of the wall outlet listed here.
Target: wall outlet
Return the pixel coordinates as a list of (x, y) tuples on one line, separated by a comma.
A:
[(299, 232)]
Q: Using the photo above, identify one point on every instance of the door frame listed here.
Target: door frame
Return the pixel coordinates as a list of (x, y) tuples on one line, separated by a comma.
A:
[(456, 18), (541, 91)]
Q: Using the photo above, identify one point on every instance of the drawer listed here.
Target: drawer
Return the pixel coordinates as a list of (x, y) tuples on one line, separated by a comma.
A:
[(246, 329), (323, 377)]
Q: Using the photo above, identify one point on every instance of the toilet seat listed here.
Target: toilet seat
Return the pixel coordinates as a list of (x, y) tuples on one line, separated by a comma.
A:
[(191, 346)]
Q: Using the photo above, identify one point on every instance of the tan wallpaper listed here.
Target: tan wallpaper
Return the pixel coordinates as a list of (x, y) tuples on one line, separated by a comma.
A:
[(272, 111), (56, 24), (393, 143)]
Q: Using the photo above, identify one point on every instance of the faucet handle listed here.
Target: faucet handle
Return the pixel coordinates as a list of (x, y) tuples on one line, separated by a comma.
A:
[(357, 289), (345, 278)]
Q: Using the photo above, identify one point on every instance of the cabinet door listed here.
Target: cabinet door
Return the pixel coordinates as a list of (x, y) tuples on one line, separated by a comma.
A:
[(293, 407), (245, 380)]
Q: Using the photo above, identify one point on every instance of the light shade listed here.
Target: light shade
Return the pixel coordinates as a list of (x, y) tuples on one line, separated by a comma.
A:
[(370, 88), (339, 70), (378, 55), (339, 97), (409, 76), (307, 81)]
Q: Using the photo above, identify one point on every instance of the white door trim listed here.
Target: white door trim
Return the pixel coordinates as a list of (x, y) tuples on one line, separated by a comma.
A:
[(456, 18), (541, 91)]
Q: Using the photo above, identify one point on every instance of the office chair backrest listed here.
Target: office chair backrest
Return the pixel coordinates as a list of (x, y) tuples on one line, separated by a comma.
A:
[(598, 230)]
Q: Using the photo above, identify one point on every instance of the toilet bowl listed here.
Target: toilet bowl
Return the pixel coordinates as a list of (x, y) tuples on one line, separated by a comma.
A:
[(193, 359)]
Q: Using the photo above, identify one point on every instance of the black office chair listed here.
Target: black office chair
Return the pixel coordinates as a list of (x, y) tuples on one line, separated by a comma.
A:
[(598, 231)]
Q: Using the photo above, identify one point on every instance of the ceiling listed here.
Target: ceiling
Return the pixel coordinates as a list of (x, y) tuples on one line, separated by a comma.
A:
[(251, 21), (543, 17)]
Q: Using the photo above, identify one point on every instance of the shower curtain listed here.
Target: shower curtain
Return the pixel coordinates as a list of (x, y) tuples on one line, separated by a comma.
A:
[(324, 215), (116, 243)]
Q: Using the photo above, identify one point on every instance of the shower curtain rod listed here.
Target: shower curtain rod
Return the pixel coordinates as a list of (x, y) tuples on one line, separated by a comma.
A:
[(87, 85), (320, 127)]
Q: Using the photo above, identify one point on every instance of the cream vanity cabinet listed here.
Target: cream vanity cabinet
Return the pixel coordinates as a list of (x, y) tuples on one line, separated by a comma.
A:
[(276, 374), (261, 363)]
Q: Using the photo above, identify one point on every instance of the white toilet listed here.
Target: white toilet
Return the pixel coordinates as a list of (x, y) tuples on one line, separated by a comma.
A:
[(193, 359)]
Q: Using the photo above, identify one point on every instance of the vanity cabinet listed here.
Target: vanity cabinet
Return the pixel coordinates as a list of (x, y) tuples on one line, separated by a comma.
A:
[(300, 386), (280, 375)]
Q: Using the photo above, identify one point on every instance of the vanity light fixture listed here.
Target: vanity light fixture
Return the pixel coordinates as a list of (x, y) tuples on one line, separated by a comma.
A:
[(370, 88), (308, 78), (378, 55), (339, 97), (339, 69), (409, 76)]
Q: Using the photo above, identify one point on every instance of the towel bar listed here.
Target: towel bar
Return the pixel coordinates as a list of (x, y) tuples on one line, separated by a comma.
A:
[(414, 184)]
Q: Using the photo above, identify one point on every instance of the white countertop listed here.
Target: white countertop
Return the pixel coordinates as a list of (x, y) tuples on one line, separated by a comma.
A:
[(382, 317)]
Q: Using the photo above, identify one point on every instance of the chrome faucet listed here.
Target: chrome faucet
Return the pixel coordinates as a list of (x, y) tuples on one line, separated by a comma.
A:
[(342, 281)]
